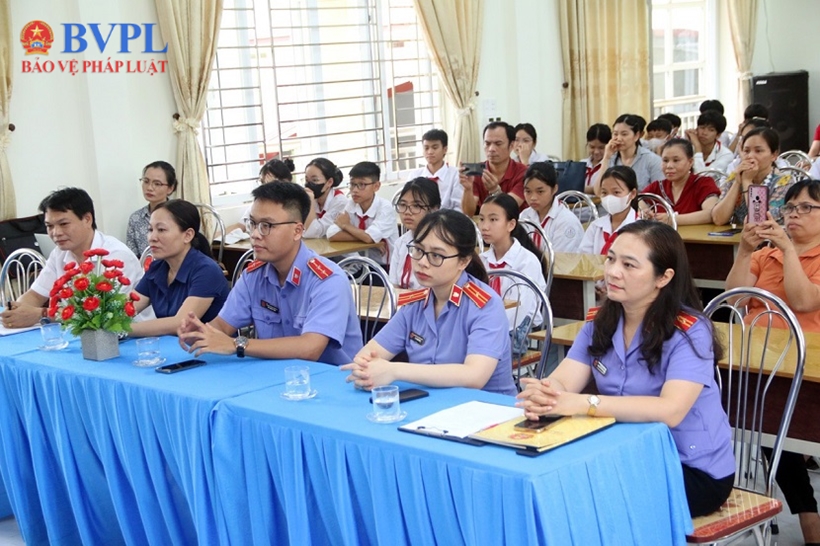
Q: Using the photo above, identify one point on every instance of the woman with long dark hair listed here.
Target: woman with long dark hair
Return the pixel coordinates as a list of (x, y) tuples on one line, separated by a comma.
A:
[(652, 355)]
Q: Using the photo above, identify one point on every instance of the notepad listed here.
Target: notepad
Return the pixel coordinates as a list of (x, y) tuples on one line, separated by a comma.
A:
[(459, 422)]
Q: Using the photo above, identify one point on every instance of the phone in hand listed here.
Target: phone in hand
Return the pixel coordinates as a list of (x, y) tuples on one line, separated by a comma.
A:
[(180, 366), (758, 203), (528, 425), (474, 169)]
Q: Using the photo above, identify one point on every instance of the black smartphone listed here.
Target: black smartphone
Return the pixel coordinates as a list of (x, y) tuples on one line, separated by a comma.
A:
[(409, 394), (474, 169), (179, 366), (537, 426), (725, 233)]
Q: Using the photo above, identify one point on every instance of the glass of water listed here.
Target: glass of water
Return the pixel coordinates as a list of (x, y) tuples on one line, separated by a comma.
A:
[(297, 383), (148, 352), (386, 405)]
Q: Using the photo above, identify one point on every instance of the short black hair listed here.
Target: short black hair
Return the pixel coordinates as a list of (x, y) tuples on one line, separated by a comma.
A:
[(509, 129), (75, 200), (435, 135), (756, 110), (811, 186), (674, 119), (659, 125), (712, 104), (292, 197), (712, 118), (366, 169)]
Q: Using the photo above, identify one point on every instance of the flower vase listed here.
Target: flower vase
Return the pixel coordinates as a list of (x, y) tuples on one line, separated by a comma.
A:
[(99, 344)]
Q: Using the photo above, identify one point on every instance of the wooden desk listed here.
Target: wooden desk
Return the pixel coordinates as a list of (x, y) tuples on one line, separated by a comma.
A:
[(710, 257), (323, 247), (573, 286)]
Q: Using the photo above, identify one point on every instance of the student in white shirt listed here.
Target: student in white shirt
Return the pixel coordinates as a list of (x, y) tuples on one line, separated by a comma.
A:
[(71, 224), (525, 140), (326, 201), (511, 248), (560, 225), (367, 217), (449, 187), (619, 188), (598, 136), (416, 199), (710, 153)]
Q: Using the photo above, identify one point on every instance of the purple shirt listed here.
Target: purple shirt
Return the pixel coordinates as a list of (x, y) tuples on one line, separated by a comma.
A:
[(703, 438), (460, 330), (306, 303)]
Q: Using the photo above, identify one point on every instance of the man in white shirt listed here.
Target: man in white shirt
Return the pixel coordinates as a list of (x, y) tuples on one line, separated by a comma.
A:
[(69, 218), (435, 148), (710, 153)]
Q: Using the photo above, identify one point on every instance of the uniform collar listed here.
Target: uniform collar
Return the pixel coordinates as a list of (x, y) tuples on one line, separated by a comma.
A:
[(297, 269), (510, 256)]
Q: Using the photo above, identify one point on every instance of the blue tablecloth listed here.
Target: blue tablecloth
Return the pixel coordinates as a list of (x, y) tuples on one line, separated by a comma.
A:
[(317, 472), (107, 453)]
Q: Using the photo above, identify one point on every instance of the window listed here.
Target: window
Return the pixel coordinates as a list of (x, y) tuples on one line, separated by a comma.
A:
[(683, 53), (350, 80)]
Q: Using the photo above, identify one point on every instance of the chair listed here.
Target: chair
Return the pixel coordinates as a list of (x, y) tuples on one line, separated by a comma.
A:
[(579, 203), (212, 227), (374, 295), (796, 173), (394, 201), (532, 361), (756, 349), (797, 158), (18, 272), (243, 262), (480, 239), (716, 174), (650, 204), (545, 246), (146, 258)]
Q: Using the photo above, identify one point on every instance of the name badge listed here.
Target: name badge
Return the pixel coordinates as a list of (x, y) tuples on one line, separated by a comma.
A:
[(270, 306), (417, 338), (598, 365)]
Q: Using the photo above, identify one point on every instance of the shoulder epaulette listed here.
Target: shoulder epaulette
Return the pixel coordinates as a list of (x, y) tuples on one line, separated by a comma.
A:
[(412, 296), (338, 192), (479, 296), (684, 321), (320, 269), (254, 265), (593, 311)]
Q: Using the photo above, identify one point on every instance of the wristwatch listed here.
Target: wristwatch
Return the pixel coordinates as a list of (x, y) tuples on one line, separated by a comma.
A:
[(593, 404), (241, 342)]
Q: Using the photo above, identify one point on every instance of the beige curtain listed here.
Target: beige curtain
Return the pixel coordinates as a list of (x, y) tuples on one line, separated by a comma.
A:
[(452, 29), (191, 28), (743, 24), (8, 202), (605, 47)]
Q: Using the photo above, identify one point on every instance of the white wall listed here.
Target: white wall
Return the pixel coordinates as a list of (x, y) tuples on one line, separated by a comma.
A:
[(94, 131)]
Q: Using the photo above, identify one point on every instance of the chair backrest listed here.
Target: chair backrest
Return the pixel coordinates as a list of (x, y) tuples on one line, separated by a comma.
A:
[(796, 173), (243, 262), (650, 205), (394, 201), (18, 273), (479, 238), (372, 292), (528, 357), (716, 174), (797, 158), (546, 247), (579, 203), (212, 227), (146, 258), (757, 347)]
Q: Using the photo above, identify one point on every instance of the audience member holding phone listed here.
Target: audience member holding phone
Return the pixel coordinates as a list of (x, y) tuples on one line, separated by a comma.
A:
[(760, 149), (652, 356), (454, 330), (790, 269)]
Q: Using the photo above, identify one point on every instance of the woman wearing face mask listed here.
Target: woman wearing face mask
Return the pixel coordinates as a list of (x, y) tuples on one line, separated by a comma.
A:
[(321, 180), (619, 188)]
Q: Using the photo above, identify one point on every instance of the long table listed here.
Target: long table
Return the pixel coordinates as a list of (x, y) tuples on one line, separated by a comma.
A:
[(317, 472), (573, 285), (108, 453), (710, 256)]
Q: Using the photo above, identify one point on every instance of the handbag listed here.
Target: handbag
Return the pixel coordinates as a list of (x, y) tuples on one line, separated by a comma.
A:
[(19, 233), (571, 175)]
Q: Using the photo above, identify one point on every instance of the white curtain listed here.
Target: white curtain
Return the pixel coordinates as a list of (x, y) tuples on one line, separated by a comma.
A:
[(453, 31), (8, 202), (605, 46), (191, 28), (743, 24)]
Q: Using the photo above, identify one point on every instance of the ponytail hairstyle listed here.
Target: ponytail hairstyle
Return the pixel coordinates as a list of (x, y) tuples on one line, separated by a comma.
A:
[(329, 170), (635, 122), (186, 216), (510, 207), (626, 176), (457, 230), (279, 169)]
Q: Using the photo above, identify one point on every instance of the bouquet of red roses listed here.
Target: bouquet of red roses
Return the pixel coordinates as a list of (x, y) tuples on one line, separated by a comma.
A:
[(89, 295)]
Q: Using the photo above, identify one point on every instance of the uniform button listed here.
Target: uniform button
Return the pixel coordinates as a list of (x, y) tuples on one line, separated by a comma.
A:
[(692, 446), (287, 321), (284, 296)]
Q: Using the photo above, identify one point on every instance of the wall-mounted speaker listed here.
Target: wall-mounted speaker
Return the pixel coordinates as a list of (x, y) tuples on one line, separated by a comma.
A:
[(786, 95)]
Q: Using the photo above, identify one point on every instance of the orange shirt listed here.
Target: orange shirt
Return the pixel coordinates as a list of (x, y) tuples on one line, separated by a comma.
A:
[(767, 266)]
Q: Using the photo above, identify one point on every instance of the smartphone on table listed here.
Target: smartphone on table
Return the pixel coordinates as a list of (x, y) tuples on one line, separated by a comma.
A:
[(407, 395), (758, 203), (180, 366), (528, 425)]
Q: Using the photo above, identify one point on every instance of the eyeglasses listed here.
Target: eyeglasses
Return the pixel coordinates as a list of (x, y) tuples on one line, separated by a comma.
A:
[(434, 258), (360, 185), (264, 227), (401, 208), (156, 184), (802, 208)]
